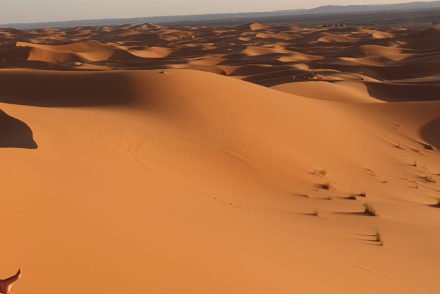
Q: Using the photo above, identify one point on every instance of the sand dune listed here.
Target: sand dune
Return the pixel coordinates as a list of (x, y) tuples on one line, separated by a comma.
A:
[(424, 39), (333, 91), (258, 27), (90, 51), (151, 52), (391, 53), (233, 159), (333, 38), (377, 34), (257, 51), (270, 35)]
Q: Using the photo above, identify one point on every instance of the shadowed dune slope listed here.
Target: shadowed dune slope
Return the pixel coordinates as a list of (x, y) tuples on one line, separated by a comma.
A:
[(15, 133), (52, 89), (430, 132), (404, 92), (337, 91)]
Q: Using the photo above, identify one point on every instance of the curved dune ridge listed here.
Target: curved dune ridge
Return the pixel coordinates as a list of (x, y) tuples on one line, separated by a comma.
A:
[(90, 51), (87, 51), (151, 52), (333, 38), (391, 53), (334, 91), (270, 35), (258, 26), (209, 164), (256, 51), (377, 34)]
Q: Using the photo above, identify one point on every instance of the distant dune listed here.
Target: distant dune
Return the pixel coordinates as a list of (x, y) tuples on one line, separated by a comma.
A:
[(249, 158)]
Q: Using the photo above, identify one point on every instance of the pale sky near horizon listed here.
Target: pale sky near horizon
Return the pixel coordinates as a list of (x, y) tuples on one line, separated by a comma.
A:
[(14, 11)]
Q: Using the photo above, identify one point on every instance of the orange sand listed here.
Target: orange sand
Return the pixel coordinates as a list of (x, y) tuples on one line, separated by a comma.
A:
[(147, 159)]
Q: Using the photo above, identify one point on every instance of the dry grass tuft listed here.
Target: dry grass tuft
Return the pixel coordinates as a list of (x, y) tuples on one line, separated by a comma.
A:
[(427, 146), (397, 146), (369, 210), (324, 186), (428, 179), (378, 237), (361, 194), (315, 213), (319, 173), (350, 197), (436, 204)]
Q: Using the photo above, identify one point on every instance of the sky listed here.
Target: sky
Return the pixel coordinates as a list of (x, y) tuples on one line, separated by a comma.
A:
[(19, 11)]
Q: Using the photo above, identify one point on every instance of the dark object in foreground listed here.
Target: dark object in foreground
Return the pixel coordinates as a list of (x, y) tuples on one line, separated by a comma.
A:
[(7, 284)]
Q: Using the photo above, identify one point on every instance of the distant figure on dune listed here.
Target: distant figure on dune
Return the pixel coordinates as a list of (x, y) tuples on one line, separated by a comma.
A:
[(6, 284)]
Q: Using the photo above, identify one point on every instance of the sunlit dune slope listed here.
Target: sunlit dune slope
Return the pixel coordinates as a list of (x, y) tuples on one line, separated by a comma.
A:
[(183, 181)]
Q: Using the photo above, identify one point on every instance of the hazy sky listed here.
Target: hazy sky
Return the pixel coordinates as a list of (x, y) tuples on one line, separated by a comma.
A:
[(47, 10)]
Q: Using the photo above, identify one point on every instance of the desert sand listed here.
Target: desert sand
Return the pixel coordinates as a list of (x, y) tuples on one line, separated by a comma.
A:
[(232, 159)]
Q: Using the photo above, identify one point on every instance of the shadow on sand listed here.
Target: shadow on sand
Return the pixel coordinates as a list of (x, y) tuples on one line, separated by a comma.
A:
[(15, 133), (430, 133), (64, 89)]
